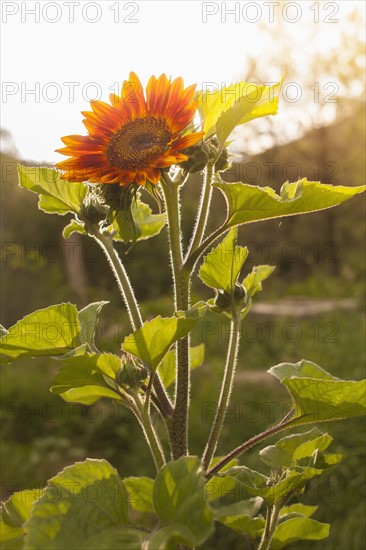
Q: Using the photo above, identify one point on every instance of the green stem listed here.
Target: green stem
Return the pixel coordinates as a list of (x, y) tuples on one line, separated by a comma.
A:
[(191, 260), (226, 388), (171, 196), (283, 425), (105, 241), (204, 208), (181, 278), (270, 526), (182, 389), (150, 434)]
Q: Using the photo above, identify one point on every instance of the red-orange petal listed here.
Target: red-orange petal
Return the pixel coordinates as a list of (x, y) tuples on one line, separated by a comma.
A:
[(166, 99), (132, 94), (187, 140)]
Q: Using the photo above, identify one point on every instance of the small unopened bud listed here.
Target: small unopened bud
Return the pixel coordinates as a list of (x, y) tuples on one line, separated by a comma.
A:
[(199, 156), (131, 374), (222, 162), (225, 301), (93, 211), (117, 197)]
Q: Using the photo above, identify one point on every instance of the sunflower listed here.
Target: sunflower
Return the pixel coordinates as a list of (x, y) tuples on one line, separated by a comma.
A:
[(134, 137)]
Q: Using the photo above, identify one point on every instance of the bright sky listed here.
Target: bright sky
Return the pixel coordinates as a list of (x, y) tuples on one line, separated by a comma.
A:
[(58, 55)]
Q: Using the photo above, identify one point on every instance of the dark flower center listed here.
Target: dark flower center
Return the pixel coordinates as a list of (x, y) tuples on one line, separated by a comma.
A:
[(138, 143)]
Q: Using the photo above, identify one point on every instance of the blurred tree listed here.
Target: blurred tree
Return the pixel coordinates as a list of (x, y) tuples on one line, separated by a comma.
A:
[(321, 84)]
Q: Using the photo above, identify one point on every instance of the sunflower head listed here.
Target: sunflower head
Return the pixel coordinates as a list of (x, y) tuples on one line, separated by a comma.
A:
[(135, 136)]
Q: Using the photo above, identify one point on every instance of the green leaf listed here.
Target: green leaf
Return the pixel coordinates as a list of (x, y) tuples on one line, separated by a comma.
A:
[(56, 196), (302, 369), (254, 102), (125, 227), (74, 227), (321, 397), (167, 367), (253, 281), (149, 223), (152, 341), (126, 538), (244, 101), (325, 461), (301, 509), (81, 503), (50, 331), (292, 448), (219, 486), (138, 224), (80, 350), (253, 481), (326, 400), (250, 203), (14, 513), (244, 524), (185, 517), (88, 319), (82, 378), (274, 489), (3, 331), (298, 529), (140, 493), (248, 508), (221, 267)]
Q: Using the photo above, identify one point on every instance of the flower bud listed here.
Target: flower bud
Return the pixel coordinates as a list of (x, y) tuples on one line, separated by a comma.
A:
[(131, 374), (224, 299), (199, 156), (93, 211), (222, 162), (117, 197)]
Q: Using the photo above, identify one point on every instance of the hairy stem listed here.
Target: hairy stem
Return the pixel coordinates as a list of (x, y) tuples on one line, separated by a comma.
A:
[(171, 196), (204, 208), (270, 526), (105, 241), (181, 279), (226, 388), (283, 425), (150, 433), (191, 260)]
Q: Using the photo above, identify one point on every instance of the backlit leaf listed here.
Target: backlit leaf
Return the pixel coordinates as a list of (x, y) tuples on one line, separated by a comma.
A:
[(56, 196), (298, 529), (167, 367), (221, 266), (318, 396), (50, 331), (152, 341), (82, 378), (250, 203), (79, 507), (185, 516)]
